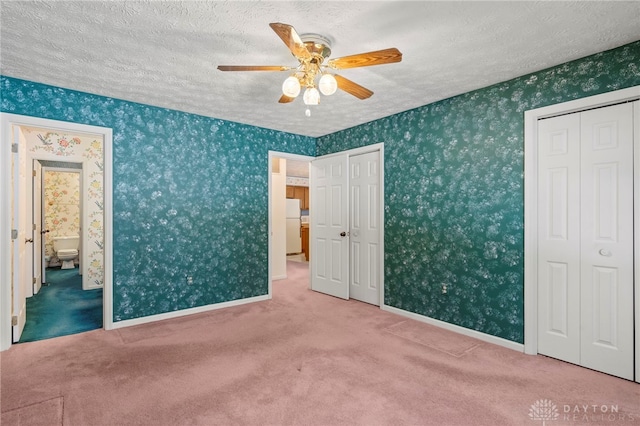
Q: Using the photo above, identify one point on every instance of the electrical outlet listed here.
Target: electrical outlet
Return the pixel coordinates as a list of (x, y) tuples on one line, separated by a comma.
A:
[(444, 289), (189, 280)]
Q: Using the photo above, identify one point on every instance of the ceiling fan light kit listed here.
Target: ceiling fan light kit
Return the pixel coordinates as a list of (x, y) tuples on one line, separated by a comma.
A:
[(291, 87), (327, 84), (311, 50)]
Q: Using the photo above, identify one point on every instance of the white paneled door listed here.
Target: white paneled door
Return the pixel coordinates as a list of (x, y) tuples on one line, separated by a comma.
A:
[(346, 225), (364, 283), (585, 237), (329, 226), (20, 245)]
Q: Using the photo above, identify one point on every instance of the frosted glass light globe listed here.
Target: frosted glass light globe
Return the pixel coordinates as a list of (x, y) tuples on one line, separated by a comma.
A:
[(311, 96), (291, 87), (328, 84)]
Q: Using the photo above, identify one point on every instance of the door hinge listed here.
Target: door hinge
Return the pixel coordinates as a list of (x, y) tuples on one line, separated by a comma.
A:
[(14, 148), (14, 320), (34, 227), (34, 173), (34, 280), (14, 234)]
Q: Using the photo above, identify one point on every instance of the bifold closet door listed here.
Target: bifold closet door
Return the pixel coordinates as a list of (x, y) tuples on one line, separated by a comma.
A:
[(585, 239), (606, 247)]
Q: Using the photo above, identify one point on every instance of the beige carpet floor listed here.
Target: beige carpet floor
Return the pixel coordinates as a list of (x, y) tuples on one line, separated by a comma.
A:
[(302, 358)]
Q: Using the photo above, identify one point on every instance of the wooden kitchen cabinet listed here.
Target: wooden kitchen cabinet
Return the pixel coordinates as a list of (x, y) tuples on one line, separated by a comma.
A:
[(301, 193), (304, 233)]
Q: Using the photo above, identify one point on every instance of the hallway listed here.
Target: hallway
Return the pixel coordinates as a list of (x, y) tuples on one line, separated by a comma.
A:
[(62, 307)]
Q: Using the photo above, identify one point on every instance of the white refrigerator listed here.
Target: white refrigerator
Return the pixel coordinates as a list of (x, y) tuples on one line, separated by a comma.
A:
[(294, 241)]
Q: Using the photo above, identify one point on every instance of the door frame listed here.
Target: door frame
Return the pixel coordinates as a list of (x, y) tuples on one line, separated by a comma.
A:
[(7, 122), (356, 151), (271, 156), (83, 220), (531, 118)]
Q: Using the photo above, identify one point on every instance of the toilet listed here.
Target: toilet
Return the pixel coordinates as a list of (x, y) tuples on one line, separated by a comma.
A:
[(66, 249)]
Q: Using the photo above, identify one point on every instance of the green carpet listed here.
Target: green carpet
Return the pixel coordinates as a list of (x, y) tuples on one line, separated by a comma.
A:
[(62, 307)]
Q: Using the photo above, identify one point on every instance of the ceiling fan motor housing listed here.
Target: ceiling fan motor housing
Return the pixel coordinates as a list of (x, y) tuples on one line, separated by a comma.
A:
[(319, 46)]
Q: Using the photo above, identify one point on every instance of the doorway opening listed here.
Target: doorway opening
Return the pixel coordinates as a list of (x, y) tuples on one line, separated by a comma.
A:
[(46, 145), (60, 305), (346, 223), (288, 213)]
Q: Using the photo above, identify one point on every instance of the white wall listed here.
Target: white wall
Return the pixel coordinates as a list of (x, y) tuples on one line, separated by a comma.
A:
[(278, 220)]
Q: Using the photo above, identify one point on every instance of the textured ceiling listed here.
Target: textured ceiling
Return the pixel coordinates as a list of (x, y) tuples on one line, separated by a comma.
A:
[(166, 53), (298, 168)]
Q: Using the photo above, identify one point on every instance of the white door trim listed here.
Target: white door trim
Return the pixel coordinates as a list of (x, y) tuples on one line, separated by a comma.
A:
[(82, 178), (7, 121), (531, 118)]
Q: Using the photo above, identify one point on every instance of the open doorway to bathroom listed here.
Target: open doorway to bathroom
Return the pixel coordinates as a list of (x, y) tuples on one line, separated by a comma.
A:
[(96, 255), (59, 305), (60, 212)]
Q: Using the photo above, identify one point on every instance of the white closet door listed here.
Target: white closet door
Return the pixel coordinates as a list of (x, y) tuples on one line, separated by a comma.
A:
[(559, 237), (585, 254), (607, 240)]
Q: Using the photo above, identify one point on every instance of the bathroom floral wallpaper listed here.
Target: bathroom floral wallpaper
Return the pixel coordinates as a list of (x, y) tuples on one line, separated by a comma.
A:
[(61, 206), (454, 191), (89, 149), (190, 194)]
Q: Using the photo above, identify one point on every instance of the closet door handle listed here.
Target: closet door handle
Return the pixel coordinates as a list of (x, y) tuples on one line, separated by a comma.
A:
[(28, 240)]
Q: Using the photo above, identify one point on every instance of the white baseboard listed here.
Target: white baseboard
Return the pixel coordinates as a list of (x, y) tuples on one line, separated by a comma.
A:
[(457, 329), (185, 312), (279, 277)]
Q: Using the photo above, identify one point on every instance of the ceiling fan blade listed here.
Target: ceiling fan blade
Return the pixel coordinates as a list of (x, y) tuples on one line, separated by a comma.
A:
[(291, 38), (284, 99), (378, 57), (253, 68), (353, 88)]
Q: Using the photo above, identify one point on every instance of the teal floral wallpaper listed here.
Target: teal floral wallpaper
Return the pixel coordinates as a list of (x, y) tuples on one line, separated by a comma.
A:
[(189, 197), (454, 191), (190, 194)]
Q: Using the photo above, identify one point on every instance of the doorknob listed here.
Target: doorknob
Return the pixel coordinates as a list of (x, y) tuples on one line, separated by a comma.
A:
[(343, 234), (605, 252), (45, 231), (28, 240)]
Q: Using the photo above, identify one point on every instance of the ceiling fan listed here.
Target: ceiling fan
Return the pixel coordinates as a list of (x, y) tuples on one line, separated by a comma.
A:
[(311, 50)]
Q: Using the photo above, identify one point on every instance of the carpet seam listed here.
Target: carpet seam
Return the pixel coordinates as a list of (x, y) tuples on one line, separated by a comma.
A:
[(36, 403)]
